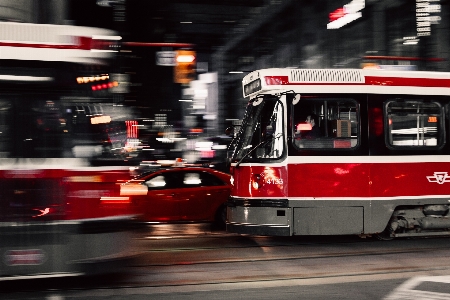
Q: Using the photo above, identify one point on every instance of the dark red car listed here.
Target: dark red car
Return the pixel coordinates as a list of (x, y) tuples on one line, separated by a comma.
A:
[(193, 194)]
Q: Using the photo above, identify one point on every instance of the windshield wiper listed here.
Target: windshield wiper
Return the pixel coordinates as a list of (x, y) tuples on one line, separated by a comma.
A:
[(263, 142)]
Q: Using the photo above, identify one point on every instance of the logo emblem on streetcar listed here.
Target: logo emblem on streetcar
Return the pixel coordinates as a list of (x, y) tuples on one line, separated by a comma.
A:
[(439, 177)]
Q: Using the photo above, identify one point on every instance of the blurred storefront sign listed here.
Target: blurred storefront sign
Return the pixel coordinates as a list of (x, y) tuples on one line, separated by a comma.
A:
[(166, 58), (427, 14), (389, 67), (184, 70), (104, 3), (346, 14), (123, 83)]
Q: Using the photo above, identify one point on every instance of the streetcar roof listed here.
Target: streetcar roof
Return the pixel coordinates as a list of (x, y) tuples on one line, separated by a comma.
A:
[(373, 81)]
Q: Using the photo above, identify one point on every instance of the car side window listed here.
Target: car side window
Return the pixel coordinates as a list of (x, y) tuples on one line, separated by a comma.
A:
[(163, 181), (211, 180), (198, 179), (191, 179), (158, 182), (186, 179)]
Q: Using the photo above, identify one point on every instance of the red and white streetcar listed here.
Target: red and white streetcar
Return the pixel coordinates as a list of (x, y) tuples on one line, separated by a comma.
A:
[(375, 160), (58, 216)]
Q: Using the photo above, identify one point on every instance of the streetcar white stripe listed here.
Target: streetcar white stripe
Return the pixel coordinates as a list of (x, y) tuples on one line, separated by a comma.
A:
[(362, 198), (368, 159), (351, 159)]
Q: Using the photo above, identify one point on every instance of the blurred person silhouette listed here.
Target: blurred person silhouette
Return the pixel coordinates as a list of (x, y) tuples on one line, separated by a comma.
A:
[(313, 120)]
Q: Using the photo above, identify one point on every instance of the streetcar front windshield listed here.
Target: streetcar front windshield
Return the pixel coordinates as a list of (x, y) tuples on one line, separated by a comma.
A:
[(261, 134)]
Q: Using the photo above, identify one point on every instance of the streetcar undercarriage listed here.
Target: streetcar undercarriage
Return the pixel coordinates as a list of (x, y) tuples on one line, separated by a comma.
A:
[(428, 220)]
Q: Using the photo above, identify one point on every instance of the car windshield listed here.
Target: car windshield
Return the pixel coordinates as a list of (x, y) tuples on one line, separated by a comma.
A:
[(261, 133)]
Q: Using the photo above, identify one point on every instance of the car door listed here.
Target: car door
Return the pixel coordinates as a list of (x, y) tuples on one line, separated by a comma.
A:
[(161, 204), (202, 195)]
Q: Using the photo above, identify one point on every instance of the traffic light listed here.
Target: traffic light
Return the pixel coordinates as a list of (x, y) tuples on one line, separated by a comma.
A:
[(185, 66)]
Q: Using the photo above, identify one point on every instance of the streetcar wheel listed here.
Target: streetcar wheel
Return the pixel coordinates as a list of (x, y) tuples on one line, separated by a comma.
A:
[(385, 235)]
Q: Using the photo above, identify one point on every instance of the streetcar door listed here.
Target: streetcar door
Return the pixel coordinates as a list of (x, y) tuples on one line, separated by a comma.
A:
[(327, 178), (326, 158)]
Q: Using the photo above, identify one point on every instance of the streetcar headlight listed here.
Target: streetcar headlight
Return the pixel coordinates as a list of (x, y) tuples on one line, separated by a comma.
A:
[(255, 185), (255, 182)]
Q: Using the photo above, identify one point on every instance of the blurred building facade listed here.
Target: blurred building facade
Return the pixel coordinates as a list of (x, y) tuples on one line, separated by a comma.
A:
[(279, 33), (34, 11)]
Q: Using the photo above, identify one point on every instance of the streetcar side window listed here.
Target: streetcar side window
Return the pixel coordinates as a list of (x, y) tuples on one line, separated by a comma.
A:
[(326, 123), (412, 124)]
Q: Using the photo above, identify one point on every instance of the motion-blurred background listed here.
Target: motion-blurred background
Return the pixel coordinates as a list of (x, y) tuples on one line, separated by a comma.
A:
[(181, 107)]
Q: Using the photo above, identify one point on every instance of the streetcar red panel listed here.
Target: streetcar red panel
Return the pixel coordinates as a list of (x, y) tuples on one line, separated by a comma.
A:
[(328, 180), (264, 181)]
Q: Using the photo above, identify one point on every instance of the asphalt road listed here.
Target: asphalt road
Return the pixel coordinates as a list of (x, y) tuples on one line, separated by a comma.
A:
[(194, 262)]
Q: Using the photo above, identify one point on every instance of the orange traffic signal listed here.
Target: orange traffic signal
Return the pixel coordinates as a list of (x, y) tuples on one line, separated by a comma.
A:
[(184, 71)]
